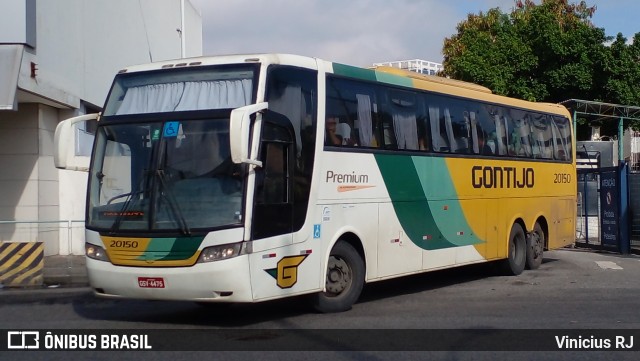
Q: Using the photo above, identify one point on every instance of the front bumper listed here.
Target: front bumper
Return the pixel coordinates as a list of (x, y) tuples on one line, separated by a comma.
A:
[(221, 281)]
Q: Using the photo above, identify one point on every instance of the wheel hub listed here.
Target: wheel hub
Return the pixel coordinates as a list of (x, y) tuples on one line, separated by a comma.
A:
[(338, 276), (536, 244)]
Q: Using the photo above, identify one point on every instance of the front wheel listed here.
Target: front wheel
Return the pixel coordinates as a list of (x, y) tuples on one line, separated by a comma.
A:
[(515, 262), (344, 282)]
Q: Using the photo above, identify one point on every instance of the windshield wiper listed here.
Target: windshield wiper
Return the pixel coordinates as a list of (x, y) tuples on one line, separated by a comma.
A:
[(173, 204), (116, 224)]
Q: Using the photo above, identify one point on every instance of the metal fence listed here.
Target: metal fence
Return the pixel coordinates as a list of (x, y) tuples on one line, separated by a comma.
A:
[(588, 215), (60, 237), (634, 205)]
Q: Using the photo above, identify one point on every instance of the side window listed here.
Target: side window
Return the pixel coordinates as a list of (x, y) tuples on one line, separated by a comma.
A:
[(542, 136), (292, 93), (476, 130), (400, 123), (485, 132), (521, 137), (422, 120), (562, 136), (451, 125), (461, 127), (499, 137), (439, 116), (517, 133), (351, 114)]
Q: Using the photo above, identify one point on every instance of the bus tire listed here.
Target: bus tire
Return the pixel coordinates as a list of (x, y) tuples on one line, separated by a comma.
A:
[(344, 280), (535, 247), (517, 252)]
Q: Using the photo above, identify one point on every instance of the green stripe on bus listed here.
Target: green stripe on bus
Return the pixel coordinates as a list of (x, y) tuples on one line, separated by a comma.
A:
[(184, 248), (394, 79), (171, 249), (452, 221), (407, 190), (354, 72)]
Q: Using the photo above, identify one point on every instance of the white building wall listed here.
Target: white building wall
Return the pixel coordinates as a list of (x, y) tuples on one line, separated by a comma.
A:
[(80, 46)]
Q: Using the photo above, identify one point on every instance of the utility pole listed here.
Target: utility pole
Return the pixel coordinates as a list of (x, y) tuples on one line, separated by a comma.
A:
[(183, 39)]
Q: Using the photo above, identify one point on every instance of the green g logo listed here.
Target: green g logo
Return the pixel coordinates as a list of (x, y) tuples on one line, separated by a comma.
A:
[(286, 274)]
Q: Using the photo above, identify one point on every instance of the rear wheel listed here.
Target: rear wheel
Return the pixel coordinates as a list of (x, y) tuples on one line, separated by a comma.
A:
[(344, 280), (515, 262), (535, 247)]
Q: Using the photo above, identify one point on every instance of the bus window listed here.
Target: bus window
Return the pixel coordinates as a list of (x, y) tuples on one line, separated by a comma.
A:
[(461, 127), (354, 106), (450, 124), (422, 123), (486, 129), (471, 118), (517, 133), (521, 135), (562, 136), (542, 136), (403, 128), (364, 121), (439, 118), (275, 174), (439, 141), (499, 137)]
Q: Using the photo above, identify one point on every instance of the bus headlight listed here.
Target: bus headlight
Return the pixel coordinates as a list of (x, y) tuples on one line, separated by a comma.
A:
[(217, 253), (95, 252)]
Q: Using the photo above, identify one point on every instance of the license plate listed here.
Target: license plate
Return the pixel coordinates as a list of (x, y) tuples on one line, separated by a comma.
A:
[(150, 282)]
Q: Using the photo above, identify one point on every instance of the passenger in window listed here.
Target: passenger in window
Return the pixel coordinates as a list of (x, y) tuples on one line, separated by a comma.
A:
[(344, 131), (332, 137), (489, 147), (422, 143)]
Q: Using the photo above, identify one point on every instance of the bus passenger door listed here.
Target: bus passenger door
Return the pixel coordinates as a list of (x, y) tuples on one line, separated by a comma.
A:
[(273, 209), (277, 267)]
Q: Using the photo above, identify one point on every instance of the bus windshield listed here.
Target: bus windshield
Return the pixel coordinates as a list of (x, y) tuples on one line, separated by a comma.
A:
[(161, 160), (164, 176)]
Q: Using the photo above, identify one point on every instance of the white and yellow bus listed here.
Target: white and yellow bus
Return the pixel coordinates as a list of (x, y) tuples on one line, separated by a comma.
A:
[(252, 178)]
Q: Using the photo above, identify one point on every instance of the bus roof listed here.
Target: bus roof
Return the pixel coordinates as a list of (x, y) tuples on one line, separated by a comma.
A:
[(432, 78), (225, 59), (383, 74)]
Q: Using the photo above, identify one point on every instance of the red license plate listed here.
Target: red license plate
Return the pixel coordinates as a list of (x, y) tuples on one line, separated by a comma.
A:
[(150, 282)]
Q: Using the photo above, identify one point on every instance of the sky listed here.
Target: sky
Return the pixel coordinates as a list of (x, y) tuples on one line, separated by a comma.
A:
[(362, 32)]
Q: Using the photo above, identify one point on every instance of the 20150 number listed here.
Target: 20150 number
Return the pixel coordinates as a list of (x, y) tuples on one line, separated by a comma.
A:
[(123, 244), (562, 178)]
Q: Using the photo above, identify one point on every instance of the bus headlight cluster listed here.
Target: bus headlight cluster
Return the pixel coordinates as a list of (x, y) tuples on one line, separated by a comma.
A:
[(95, 252), (217, 253)]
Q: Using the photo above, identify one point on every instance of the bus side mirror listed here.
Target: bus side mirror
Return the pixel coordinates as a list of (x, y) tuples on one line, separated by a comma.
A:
[(65, 143), (240, 131)]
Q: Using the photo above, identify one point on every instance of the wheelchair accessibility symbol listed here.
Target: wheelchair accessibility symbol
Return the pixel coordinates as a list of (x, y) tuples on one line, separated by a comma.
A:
[(171, 129), (316, 231)]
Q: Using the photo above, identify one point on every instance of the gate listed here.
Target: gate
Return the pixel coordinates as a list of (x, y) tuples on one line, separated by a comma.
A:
[(603, 209), (634, 205)]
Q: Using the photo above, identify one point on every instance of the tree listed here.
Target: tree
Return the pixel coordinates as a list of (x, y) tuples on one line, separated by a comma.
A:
[(547, 52), (622, 71)]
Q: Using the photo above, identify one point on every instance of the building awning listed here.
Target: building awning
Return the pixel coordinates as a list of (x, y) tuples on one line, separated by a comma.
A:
[(10, 59)]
